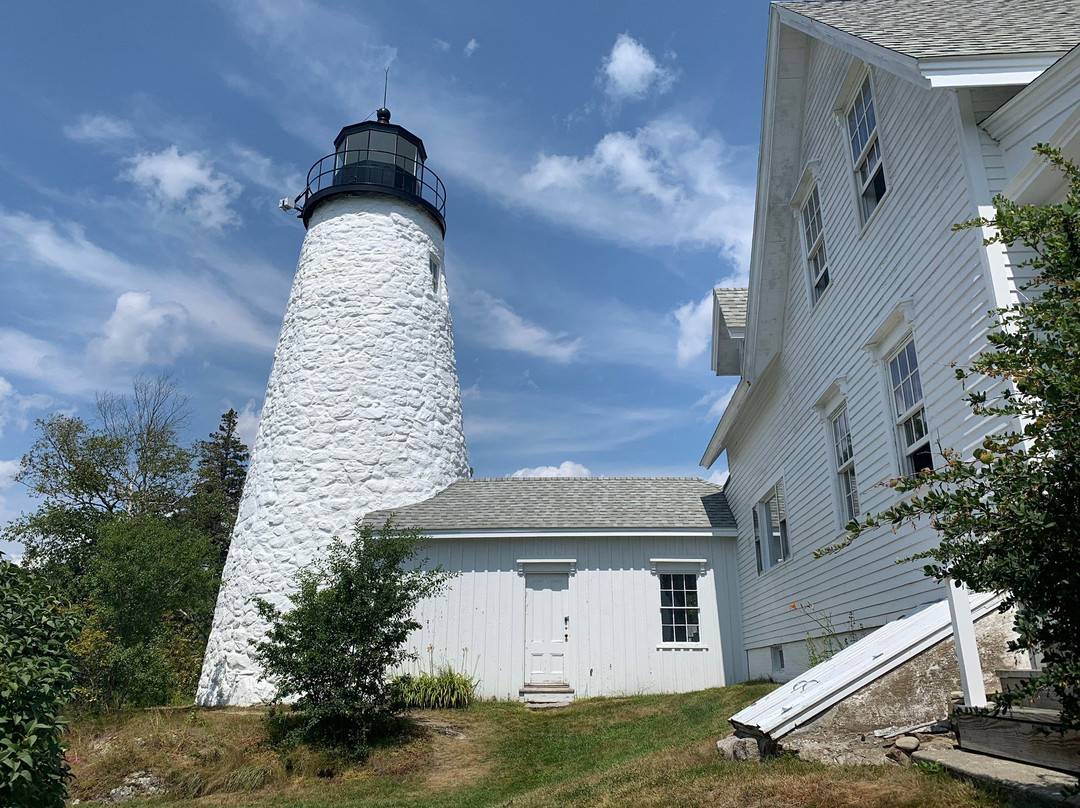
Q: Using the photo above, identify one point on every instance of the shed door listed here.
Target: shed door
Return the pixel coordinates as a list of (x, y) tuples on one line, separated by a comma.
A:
[(546, 627)]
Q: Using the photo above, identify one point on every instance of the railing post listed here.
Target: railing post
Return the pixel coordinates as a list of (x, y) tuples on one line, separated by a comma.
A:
[(967, 649)]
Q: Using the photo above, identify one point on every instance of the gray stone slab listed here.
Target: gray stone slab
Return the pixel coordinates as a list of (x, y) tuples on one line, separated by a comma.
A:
[(1043, 785)]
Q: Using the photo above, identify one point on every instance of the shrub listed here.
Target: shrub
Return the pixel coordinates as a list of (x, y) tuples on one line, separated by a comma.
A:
[(36, 630), (351, 615)]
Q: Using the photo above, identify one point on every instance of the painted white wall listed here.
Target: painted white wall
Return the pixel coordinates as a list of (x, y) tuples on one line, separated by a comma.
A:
[(362, 411), (614, 600), (906, 251)]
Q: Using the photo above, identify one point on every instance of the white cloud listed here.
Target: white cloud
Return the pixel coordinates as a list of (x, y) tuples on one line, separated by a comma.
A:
[(441, 44), (568, 468), (719, 477), (40, 360), (717, 402), (8, 469), (630, 71), (63, 247), (470, 47), (496, 325), (16, 407), (187, 182), (665, 184), (247, 423), (695, 327), (140, 332), (264, 172), (99, 128)]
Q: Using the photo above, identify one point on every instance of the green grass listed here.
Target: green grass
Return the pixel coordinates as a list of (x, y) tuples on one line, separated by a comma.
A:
[(639, 750)]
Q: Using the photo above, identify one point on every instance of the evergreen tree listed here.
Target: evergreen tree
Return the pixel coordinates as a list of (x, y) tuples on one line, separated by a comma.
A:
[(219, 474)]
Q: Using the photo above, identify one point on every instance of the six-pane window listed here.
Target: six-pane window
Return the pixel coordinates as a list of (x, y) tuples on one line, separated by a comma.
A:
[(910, 414), (845, 466), (814, 237), (866, 150), (679, 608)]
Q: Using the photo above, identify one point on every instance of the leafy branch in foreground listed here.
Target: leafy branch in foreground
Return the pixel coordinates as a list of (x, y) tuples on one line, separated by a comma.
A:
[(347, 628), (1009, 516)]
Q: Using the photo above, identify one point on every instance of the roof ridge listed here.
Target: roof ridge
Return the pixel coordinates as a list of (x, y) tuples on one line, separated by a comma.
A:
[(564, 479)]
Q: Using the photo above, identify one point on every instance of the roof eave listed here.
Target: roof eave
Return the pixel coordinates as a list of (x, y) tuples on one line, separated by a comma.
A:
[(900, 64), (718, 442), (994, 70)]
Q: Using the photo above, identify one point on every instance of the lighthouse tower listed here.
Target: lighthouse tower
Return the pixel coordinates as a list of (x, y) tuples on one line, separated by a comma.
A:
[(363, 406)]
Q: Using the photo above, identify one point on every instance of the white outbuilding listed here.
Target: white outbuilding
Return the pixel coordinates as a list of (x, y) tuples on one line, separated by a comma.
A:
[(575, 587)]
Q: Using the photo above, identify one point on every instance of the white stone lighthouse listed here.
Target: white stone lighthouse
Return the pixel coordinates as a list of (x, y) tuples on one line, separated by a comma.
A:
[(363, 406)]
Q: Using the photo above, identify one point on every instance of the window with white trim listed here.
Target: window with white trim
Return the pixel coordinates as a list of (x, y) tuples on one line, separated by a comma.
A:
[(844, 457), (912, 430), (679, 615), (817, 261), (866, 150), (776, 652), (770, 529)]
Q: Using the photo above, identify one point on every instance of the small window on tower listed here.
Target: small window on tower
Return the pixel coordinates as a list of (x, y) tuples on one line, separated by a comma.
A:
[(436, 271)]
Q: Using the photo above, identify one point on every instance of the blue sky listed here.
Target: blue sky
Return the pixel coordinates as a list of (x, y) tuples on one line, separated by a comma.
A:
[(599, 162)]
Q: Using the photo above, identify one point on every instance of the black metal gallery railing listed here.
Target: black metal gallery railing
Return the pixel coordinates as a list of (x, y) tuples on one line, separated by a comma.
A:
[(370, 169)]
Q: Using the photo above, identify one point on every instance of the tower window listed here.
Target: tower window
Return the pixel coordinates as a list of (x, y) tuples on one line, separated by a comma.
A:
[(436, 272)]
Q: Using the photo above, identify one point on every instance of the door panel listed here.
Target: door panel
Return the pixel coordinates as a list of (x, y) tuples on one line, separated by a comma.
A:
[(546, 628)]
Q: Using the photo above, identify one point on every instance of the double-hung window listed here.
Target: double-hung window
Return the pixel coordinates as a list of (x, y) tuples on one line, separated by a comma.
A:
[(912, 430), (770, 530), (844, 456), (679, 615), (866, 150), (817, 261)]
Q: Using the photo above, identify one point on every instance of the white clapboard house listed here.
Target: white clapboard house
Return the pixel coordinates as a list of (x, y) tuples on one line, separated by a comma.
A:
[(569, 588), (885, 122)]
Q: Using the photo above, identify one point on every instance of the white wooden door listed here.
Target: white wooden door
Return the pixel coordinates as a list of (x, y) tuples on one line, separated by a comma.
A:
[(546, 628)]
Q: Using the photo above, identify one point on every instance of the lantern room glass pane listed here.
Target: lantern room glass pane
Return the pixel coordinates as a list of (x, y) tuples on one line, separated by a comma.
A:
[(383, 146)]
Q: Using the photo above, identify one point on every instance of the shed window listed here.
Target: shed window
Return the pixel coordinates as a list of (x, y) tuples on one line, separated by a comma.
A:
[(679, 608), (866, 150)]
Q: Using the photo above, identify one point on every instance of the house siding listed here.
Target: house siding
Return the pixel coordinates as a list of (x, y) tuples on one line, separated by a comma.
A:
[(906, 251), (614, 608)]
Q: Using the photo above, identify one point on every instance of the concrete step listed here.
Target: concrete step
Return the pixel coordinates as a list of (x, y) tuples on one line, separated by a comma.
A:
[(1033, 782), (1011, 679), (552, 694)]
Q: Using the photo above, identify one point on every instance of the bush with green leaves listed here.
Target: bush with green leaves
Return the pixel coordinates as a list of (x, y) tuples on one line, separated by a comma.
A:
[(1009, 516), (36, 631), (351, 614)]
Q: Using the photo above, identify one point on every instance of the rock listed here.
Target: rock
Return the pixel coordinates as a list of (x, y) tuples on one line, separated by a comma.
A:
[(734, 747), (907, 743), (138, 784)]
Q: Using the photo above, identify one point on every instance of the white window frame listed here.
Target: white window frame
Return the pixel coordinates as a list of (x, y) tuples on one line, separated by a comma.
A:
[(907, 403), (694, 569), (814, 250), (776, 658), (775, 548), (862, 130), (843, 460)]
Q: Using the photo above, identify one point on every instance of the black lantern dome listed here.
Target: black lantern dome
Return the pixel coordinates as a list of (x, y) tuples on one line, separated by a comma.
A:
[(375, 157)]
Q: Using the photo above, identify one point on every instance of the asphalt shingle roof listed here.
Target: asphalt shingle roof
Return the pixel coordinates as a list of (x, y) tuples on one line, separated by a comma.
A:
[(523, 503), (733, 303), (927, 28)]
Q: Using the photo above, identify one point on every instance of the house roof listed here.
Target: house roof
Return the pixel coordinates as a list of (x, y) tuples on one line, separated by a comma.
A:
[(732, 302), (568, 503), (932, 28)]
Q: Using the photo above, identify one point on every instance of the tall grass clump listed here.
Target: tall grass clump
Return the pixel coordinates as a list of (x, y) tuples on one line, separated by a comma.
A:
[(441, 689)]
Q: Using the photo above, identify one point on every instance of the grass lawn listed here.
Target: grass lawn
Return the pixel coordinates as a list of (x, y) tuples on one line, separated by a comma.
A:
[(638, 751)]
